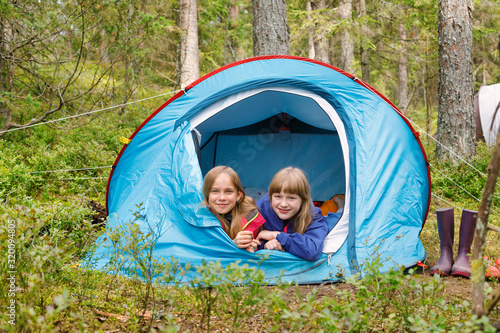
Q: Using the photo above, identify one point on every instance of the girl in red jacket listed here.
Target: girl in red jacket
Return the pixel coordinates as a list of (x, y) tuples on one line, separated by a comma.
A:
[(237, 213)]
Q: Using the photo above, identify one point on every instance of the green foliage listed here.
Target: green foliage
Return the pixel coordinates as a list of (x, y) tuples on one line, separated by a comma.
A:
[(28, 155), (47, 239), (141, 292), (132, 47), (132, 244), (464, 182), (224, 38), (235, 293), (395, 302)]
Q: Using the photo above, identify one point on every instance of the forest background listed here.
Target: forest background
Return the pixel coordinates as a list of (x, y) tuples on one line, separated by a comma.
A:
[(76, 76)]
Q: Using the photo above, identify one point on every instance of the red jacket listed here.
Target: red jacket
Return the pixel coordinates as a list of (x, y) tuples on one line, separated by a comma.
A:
[(253, 221)]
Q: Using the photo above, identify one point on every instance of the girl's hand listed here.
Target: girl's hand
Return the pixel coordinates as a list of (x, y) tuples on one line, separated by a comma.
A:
[(250, 249), (243, 239), (253, 246), (274, 245), (267, 235)]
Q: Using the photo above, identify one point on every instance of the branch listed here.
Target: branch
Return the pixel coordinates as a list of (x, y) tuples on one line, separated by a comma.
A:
[(81, 121), (166, 77), (72, 78), (61, 103), (477, 265), (492, 303), (493, 228)]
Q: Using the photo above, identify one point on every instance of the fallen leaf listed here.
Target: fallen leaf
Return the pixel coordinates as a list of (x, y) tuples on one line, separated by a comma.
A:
[(119, 317), (145, 315)]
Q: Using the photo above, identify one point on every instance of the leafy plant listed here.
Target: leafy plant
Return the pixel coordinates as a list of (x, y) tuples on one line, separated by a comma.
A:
[(45, 246), (242, 293), (131, 245)]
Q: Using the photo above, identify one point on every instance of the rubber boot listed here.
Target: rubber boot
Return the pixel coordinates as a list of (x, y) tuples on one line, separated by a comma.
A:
[(446, 229), (461, 267)]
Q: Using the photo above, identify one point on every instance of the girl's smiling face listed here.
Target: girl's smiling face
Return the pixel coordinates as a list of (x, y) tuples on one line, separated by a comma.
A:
[(286, 205), (223, 194)]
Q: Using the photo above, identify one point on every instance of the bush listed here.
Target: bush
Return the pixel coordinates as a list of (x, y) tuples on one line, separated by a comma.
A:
[(47, 240)]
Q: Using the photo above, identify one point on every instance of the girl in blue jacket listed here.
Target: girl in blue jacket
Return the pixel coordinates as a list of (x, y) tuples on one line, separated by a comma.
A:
[(293, 224)]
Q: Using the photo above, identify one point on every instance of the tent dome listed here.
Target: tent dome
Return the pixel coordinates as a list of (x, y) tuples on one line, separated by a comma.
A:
[(258, 116), (486, 106)]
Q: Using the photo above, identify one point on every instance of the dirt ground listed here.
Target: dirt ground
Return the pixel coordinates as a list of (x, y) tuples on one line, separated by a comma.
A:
[(456, 288)]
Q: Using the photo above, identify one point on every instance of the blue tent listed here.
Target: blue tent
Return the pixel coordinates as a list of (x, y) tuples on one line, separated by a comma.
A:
[(257, 116)]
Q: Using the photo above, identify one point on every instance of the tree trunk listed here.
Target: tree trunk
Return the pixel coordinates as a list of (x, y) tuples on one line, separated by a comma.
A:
[(230, 46), (346, 43), (189, 58), (270, 27), (403, 69), (310, 41), (233, 10), (364, 52), (456, 126), (6, 72), (3, 61), (319, 39)]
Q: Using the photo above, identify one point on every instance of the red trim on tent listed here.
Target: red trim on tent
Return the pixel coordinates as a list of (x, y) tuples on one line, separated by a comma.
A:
[(206, 76), (266, 58)]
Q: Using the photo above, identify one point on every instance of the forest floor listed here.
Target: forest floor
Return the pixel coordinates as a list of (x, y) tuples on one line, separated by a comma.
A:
[(457, 290), (456, 287)]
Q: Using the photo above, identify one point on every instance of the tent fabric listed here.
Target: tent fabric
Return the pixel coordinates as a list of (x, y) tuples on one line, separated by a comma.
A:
[(259, 115), (487, 105)]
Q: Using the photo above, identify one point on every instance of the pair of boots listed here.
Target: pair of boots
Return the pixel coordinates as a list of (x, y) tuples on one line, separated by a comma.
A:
[(446, 227)]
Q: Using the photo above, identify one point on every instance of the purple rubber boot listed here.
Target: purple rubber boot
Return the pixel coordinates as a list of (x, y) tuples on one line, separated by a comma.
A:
[(446, 229), (461, 267)]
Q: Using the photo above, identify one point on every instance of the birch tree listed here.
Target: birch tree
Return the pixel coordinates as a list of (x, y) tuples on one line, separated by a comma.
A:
[(189, 58), (363, 50), (402, 69), (346, 40), (320, 41), (310, 42)]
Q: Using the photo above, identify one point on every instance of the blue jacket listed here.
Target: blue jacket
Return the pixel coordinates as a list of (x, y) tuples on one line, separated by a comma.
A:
[(307, 246)]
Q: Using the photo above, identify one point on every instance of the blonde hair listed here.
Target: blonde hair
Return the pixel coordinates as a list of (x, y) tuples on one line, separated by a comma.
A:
[(294, 181), (243, 206)]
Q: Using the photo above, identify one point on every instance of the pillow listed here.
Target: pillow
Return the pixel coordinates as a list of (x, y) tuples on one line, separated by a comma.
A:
[(330, 206)]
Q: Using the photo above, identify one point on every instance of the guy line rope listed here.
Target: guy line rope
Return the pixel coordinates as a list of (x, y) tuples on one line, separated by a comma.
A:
[(90, 112), (434, 168)]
